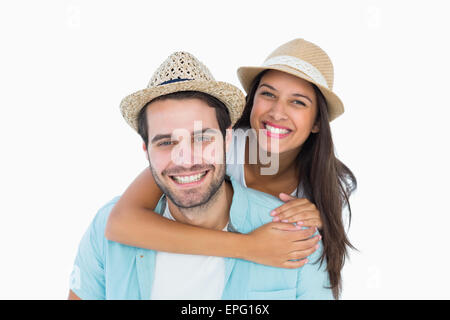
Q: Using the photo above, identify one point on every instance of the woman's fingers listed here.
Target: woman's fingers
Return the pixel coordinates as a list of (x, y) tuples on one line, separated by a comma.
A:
[(305, 244), (297, 232), (300, 211), (301, 235), (286, 197), (285, 226), (304, 219), (296, 214), (290, 204), (294, 264), (302, 254), (276, 243), (310, 223), (299, 258)]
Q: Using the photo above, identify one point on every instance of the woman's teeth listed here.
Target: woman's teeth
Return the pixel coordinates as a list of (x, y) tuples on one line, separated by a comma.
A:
[(189, 179), (276, 130)]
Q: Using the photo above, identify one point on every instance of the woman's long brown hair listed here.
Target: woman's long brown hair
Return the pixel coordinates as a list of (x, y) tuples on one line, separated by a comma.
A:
[(326, 182)]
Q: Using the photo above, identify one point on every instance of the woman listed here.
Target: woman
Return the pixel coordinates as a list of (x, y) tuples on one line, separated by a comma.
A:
[(290, 97)]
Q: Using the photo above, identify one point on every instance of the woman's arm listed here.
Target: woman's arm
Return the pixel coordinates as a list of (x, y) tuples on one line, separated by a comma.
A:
[(133, 222)]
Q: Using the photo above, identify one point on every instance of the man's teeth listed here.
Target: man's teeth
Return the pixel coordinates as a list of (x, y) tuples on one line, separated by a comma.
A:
[(276, 130), (189, 179)]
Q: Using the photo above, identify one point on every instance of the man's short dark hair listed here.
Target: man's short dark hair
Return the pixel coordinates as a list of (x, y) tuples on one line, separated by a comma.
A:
[(222, 114)]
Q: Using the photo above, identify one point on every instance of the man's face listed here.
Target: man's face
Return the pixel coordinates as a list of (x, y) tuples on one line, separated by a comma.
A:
[(186, 150)]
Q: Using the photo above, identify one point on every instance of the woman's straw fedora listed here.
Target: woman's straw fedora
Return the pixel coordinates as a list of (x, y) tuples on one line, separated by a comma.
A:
[(304, 60), (181, 71)]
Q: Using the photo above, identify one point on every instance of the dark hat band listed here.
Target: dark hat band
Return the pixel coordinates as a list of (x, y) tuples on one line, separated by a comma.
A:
[(172, 81)]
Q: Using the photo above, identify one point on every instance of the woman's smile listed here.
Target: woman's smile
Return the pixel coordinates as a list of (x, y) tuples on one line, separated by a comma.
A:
[(276, 131)]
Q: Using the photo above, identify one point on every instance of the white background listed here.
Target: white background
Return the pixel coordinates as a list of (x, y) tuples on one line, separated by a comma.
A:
[(65, 149)]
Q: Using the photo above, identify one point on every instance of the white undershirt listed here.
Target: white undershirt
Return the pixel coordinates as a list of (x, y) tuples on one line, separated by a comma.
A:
[(185, 276)]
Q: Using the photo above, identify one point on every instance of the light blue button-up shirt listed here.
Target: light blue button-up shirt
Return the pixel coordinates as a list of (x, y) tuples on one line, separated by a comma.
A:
[(106, 269)]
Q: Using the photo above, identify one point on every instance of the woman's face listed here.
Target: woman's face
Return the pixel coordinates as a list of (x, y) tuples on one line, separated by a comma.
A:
[(286, 107)]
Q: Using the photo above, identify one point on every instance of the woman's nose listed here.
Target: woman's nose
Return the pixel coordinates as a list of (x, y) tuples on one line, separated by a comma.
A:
[(277, 111)]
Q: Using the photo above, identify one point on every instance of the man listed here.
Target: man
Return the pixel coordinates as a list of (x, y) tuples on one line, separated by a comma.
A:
[(183, 119)]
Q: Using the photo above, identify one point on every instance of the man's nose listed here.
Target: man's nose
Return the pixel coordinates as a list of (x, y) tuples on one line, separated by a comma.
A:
[(188, 153)]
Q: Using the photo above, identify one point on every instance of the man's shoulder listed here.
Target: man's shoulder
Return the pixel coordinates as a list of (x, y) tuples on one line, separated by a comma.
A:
[(260, 205), (262, 199), (97, 227), (256, 204), (103, 213)]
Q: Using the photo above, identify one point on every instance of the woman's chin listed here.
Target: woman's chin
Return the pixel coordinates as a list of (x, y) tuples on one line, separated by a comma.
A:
[(271, 149), (279, 149)]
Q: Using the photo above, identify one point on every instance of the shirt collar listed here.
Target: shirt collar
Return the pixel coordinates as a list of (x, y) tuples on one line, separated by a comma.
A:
[(239, 206)]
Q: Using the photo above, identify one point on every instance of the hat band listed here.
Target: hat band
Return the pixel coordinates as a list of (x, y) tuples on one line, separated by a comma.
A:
[(300, 65), (172, 81)]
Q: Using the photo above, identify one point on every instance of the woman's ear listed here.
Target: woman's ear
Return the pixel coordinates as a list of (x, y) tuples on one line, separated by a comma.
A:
[(316, 127)]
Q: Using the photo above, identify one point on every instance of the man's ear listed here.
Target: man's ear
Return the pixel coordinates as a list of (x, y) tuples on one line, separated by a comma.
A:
[(228, 137), (144, 147)]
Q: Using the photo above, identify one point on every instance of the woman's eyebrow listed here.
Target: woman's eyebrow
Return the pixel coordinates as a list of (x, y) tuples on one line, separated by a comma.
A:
[(301, 95), (295, 94), (268, 86)]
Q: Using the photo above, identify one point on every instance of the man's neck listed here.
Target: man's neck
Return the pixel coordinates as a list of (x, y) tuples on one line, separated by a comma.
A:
[(212, 215)]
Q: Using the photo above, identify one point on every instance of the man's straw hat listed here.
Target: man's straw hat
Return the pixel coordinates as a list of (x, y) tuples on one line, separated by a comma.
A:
[(304, 60), (182, 72)]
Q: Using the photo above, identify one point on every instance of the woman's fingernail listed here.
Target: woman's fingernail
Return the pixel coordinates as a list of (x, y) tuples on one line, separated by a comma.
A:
[(284, 220), (300, 222), (276, 219), (272, 213)]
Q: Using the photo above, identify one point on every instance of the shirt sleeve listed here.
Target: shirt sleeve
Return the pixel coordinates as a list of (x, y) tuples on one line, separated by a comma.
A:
[(87, 280), (313, 281)]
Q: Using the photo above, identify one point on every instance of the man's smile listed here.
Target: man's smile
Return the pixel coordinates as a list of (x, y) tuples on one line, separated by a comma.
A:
[(190, 179)]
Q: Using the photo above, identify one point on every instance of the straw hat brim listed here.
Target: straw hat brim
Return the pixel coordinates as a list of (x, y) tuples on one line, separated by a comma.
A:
[(231, 96), (246, 76)]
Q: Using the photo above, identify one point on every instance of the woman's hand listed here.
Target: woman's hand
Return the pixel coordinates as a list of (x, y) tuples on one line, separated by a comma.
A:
[(278, 244), (298, 210)]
